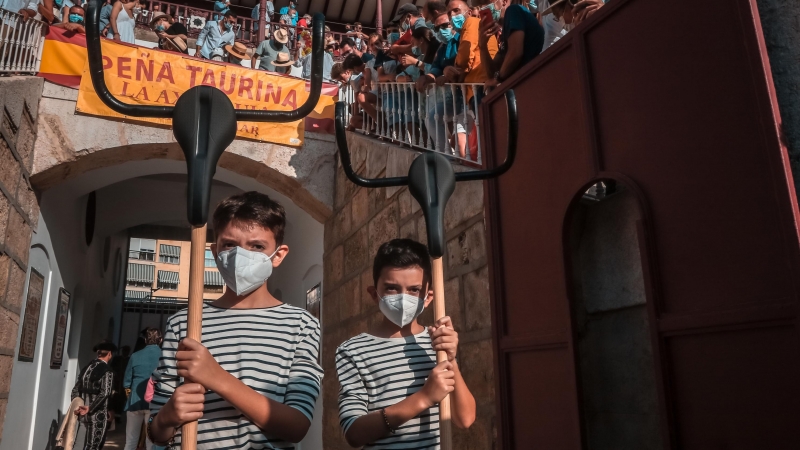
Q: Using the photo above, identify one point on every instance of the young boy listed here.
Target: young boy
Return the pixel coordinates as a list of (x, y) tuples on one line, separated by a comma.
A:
[(254, 380), (390, 383)]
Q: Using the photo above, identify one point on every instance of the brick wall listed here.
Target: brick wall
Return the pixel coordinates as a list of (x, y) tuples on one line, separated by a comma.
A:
[(365, 218), (19, 212)]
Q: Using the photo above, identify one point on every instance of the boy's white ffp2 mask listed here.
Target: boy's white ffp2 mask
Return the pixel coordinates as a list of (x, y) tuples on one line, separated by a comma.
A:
[(401, 309), (244, 271)]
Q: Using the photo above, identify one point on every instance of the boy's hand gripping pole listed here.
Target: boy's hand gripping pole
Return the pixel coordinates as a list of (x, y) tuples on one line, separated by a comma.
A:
[(204, 124), (431, 180)]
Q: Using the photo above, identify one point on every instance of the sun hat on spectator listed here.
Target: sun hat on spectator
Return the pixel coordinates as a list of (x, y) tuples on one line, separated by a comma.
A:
[(177, 42), (237, 49), (549, 10), (281, 35), (159, 17), (407, 8), (282, 60)]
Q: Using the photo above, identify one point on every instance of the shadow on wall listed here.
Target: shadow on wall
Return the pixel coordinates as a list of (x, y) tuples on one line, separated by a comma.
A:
[(619, 400)]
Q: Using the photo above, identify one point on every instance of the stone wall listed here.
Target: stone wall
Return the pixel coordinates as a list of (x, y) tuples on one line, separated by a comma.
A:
[(19, 212), (365, 218)]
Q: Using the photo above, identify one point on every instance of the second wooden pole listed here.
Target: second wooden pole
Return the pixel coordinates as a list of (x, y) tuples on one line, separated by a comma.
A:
[(445, 430)]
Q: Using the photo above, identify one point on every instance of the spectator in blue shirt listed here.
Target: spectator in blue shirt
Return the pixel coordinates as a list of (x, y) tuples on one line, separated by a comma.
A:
[(291, 11), (221, 7), (140, 366), (521, 40), (215, 35), (257, 11)]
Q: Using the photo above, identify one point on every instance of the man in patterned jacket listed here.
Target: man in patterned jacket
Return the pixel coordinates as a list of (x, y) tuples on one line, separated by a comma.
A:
[(94, 385)]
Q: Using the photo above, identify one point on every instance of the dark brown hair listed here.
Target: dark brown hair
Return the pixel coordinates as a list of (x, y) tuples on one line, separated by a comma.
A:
[(152, 336), (401, 254), (251, 208)]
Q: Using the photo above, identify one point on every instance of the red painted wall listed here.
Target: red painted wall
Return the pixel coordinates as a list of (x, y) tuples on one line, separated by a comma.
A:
[(677, 103)]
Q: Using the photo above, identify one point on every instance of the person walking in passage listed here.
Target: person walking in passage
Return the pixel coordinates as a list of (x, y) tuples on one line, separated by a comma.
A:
[(94, 386), (140, 366)]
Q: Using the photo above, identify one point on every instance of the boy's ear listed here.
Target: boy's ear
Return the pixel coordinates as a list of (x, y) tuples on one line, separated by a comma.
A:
[(429, 298), (373, 292), (283, 250)]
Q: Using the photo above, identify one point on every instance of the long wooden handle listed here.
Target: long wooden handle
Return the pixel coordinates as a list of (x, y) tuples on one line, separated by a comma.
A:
[(445, 430), (194, 325)]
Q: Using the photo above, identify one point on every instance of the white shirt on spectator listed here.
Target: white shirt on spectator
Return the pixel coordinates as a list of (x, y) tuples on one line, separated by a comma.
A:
[(553, 29), (210, 38)]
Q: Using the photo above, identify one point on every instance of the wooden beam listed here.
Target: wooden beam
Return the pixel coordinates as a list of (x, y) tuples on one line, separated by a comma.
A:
[(325, 8), (341, 11), (394, 9), (360, 7)]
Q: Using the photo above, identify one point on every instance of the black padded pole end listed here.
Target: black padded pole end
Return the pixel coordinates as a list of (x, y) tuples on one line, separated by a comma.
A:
[(431, 181)]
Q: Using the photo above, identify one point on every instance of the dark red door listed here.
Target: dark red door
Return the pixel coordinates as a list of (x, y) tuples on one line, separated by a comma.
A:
[(677, 103)]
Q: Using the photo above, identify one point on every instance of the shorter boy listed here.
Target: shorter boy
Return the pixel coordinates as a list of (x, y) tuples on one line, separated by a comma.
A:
[(390, 383)]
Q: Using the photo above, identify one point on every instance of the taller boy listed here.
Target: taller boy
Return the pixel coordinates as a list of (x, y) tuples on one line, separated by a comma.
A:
[(254, 381), (390, 383)]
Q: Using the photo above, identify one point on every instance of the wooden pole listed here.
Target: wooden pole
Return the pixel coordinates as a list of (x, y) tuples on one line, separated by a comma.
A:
[(445, 430), (378, 16), (194, 324)]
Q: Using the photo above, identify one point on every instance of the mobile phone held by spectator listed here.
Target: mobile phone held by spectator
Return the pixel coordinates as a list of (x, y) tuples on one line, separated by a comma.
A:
[(486, 16)]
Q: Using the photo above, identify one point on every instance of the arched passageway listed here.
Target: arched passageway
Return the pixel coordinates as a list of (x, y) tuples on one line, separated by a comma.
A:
[(84, 248)]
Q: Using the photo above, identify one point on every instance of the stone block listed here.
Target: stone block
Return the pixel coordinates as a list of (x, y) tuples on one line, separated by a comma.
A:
[(6, 362), (382, 228), (27, 200), (341, 224), (376, 161), (3, 406), (340, 188), (468, 248), (9, 324), (480, 435), (5, 262), (422, 230), (453, 302), (5, 206), (355, 251), (26, 137), (333, 267), (330, 311), (404, 200), (376, 200), (360, 207), (477, 310), (16, 285), (367, 303), (409, 230), (9, 168), (350, 299), (466, 203), (18, 236)]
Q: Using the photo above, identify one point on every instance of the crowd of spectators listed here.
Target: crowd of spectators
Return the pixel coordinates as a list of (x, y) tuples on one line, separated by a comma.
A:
[(480, 43)]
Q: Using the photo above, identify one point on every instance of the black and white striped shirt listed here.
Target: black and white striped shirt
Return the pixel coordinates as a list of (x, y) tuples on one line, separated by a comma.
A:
[(375, 373), (271, 350)]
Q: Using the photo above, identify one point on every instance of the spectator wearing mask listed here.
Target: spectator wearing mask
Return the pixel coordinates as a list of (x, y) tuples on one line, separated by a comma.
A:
[(236, 53), (75, 21), (408, 18), (424, 47), (467, 66), (268, 50), (339, 75), (137, 373), (291, 11), (349, 46), (54, 11), (569, 13), (522, 39), (122, 21), (305, 21), (283, 63), (367, 92), (358, 37), (171, 35), (215, 35)]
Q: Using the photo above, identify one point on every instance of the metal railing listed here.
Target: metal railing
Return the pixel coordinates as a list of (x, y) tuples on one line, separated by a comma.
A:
[(21, 43), (444, 119), (247, 28)]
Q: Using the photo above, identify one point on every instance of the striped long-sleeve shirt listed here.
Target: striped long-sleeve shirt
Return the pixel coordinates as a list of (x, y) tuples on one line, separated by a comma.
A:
[(271, 350), (375, 373)]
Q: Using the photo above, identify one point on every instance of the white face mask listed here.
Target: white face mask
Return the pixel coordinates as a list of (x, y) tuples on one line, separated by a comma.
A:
[(244, 271), (401, 309)]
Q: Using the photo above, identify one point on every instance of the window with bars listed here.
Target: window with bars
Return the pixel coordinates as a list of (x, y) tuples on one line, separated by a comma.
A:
[(169, 254), (143, 249)]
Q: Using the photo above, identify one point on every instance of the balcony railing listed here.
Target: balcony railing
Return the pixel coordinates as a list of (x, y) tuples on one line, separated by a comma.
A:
[(21, 44), (194, 19), (444, 119)]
